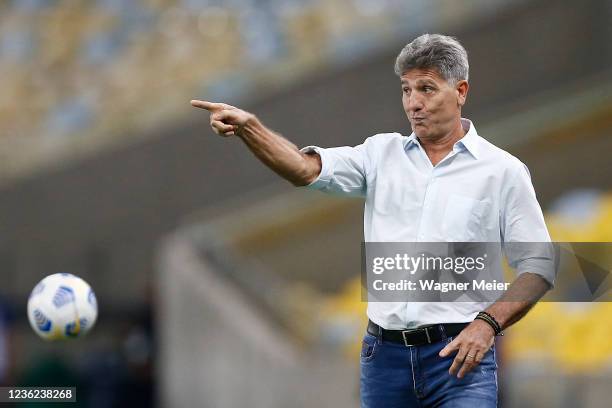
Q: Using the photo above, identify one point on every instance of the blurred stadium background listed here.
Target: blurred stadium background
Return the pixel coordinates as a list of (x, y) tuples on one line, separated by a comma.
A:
[(218, 284)]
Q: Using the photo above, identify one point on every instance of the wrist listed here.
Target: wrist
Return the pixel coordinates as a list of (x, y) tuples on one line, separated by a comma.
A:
[(251, 125), (490, 321), (488, 327)]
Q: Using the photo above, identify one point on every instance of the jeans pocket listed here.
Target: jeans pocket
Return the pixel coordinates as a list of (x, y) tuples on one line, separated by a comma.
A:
[(369, 346)]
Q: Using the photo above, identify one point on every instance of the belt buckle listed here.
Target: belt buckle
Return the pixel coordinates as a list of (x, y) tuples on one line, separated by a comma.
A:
[(404, 332)]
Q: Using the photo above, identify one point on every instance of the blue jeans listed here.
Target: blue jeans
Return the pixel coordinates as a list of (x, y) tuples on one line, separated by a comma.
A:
[(393, 375)]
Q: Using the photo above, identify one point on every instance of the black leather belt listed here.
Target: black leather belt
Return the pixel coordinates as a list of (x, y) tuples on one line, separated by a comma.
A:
[(419, 336)]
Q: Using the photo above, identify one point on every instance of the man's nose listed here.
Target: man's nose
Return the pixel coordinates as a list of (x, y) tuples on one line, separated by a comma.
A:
[(415, 103)]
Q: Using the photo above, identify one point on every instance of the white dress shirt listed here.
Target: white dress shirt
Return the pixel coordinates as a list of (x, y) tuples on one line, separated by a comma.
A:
[(477, 193)]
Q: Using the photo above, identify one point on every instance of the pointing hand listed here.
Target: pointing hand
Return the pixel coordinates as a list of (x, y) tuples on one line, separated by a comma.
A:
[(226, 120)]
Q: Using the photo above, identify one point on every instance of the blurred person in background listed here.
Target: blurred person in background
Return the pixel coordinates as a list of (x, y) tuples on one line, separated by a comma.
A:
[(7, 319), (481, 194)]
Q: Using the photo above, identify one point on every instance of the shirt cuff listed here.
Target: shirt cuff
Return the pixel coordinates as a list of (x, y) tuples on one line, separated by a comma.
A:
[(325, 176), (540, 266)]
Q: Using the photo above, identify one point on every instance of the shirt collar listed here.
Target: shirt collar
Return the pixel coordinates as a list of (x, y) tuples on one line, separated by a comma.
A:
[(469, 141)]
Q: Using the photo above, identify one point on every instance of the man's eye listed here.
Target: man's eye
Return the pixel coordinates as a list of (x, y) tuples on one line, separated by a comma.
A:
[(406, 90), (428, 89)]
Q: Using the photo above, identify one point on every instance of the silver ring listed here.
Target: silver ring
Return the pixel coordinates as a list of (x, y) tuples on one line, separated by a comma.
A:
[(470, 356)]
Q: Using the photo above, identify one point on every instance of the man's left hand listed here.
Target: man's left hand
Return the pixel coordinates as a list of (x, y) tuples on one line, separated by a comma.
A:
[(472, 344)]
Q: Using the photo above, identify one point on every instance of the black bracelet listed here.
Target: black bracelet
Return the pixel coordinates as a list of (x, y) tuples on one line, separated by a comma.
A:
[(499, 328), (491, 321), (492, 318)]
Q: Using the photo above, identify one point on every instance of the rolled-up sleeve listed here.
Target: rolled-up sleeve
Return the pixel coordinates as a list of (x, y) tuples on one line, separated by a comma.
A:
[(526, 241), (343, 170)]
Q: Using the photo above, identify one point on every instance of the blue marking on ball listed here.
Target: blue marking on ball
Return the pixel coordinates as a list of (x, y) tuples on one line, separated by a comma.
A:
[(72, 330), (91, 298), (42, 322), (63, 296)]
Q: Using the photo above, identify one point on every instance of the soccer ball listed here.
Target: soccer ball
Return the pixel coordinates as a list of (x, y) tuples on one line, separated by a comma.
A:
[(62, 306)]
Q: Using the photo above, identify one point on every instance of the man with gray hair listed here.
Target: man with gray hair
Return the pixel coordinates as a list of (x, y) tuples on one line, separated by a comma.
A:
[(443, 183)]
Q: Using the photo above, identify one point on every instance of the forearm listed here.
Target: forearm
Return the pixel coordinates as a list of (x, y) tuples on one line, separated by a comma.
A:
[(279, 154), (520, 297)]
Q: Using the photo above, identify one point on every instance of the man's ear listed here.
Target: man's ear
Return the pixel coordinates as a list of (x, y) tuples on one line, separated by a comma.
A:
[(462, 88)]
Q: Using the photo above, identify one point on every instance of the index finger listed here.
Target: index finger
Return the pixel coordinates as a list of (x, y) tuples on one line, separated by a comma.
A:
[(209, 106), (450, 347)]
